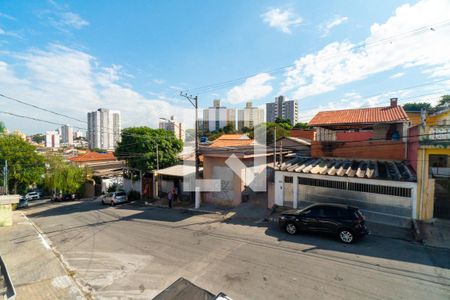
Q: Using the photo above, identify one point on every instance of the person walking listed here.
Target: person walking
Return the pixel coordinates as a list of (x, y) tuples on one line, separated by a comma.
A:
[(170, 198), (175, 193)]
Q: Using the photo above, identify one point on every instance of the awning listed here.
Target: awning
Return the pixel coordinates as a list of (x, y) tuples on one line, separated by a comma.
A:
[(177, 171)]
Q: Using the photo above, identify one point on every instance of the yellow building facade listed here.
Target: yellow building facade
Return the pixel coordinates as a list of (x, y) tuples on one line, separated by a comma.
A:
[(433, 167)]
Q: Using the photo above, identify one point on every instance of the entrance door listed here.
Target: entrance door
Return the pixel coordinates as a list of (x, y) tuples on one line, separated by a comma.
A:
[(442, 198), (288, 188)]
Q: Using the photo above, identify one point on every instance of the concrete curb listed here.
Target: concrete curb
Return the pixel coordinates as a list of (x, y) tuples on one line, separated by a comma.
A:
[(10, 290), (84, 291), (194, 210)]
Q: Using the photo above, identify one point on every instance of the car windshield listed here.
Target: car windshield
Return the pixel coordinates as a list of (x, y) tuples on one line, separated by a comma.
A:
[(120, 194)]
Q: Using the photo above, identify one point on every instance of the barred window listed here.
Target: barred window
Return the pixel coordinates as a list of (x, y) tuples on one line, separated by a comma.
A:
[(288, 179), (357, 187)]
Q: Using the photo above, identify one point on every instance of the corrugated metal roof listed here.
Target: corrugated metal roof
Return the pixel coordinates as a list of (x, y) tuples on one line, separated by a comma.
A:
[(371, 115), (373, 169)]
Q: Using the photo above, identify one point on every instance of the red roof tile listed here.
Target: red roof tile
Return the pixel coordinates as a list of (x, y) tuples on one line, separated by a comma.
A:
[(360, 116), (94, 156), (231, 140)]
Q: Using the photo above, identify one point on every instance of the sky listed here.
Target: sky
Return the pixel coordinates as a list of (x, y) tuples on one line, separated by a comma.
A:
[(136, 56)]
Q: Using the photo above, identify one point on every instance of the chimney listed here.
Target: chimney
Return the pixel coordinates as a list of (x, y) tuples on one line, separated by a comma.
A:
[(394, 102)]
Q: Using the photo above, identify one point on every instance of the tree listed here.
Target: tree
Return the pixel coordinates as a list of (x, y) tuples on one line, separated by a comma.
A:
[(61, 176), (25, 165), (270, 128), (138, 148), (417, 106), (2, 127), (98, 150), (285, 123), (444, 102), (38, 138), (301, 125)]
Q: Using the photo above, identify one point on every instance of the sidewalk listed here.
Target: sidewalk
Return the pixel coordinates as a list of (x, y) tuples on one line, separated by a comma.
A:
[(183, 205), (435, 234), (35, 270)]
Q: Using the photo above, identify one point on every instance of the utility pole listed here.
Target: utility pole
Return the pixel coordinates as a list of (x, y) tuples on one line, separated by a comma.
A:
[(157, 157), (5, 178), (275, 147), (194, 101), (281, 154)]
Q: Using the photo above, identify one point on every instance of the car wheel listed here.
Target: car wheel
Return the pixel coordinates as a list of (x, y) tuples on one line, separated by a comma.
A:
[(113, 203), (103, 202), (291, 228), (346, 236)]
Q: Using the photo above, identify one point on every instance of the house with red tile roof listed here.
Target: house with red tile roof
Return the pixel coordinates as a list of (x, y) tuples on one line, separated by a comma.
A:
[(371, 133), (90, 157), (234, 184), (358, 157)]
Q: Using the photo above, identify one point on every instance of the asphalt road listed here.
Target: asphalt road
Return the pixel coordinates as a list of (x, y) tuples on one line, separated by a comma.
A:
[(131, 252)]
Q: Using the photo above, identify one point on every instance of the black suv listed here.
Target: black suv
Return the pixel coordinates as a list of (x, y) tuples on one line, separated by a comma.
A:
[(346, 222)]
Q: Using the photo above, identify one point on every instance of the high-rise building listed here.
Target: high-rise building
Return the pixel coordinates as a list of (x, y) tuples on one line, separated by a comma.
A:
[(250, 116), (282, 108), (67, 135), (52, 139), (104, 128), (176, 127), (217, 117), (77, 134)]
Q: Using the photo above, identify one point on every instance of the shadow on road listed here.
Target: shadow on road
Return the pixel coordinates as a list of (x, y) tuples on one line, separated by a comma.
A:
[(370, 246), (374, 246)]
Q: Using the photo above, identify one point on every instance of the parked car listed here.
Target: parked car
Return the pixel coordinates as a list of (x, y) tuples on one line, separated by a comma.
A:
[(347, 223), (64, 197), (23, 202), (32, 196), (115, 198)]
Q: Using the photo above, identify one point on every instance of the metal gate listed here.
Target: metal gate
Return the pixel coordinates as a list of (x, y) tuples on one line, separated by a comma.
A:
[(442, 198), (288, 188)]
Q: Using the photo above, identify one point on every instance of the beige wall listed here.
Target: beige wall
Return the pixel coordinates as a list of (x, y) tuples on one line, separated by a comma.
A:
[(232, 185)]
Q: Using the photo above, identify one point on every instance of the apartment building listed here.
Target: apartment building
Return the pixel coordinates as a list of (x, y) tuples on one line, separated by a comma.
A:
[(217, 117), (176, 127), (282, 108), (104, 128), (250, 116), (67, 135), (52, 139)]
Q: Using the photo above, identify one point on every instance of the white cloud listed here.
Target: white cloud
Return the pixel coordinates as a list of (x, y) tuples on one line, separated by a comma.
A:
[(60, 17), (11, 18), (282, 20), (9, 33), (73, 82), (397, 75), (341, 63), (253, 88), (327, 26), (73, 20)]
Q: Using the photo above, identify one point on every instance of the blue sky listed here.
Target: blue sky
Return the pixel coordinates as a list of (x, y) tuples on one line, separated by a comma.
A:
[(135, 56)]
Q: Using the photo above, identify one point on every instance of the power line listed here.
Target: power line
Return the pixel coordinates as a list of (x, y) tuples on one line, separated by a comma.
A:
[(40, 108), (211, 87)]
